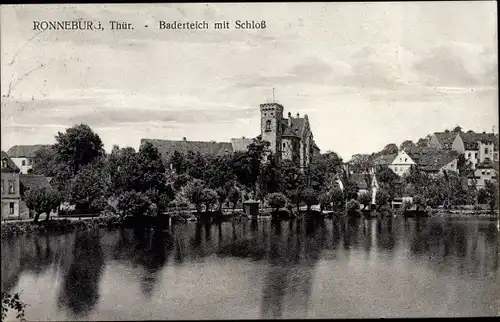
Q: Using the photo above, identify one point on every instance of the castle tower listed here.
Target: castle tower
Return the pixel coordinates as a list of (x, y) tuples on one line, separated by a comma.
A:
[(271, 116)]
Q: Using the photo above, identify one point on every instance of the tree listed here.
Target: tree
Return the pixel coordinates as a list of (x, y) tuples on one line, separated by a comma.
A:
[(133, 203), (382, 198), (360, 163), (44, 161), (276, 200), (352, 207), (386, 175), (351, 190), (219, 172), (12, 302), (337, 197), (209, 198), (489, 195), (419, 202), (88, 187), (124, 171), (310, 197), (78, 146), (390, 148), (323, 170), (179, 162), (42, 200), (194, 193), (197, 165), (291, 176), (365, 199), (422, 143), (457, 129), (151, 168), (407, 145), (271, 175), (247, 166)]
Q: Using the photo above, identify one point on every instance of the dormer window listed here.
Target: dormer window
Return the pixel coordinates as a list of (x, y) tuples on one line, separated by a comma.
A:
[(4, 163), (268, 126)]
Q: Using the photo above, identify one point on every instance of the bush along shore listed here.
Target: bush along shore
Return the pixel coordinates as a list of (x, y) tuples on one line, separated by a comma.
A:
[(15, 228)]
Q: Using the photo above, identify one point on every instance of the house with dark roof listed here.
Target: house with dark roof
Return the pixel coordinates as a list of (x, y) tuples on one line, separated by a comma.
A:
[(434, 161), (11, 195), (484, 172), (240, 144), (366, 183), (477, 147), (168, 147), (23, 155), (443, 140)]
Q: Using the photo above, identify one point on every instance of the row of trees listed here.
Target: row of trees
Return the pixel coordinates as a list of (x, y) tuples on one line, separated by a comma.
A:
[(141, 182)]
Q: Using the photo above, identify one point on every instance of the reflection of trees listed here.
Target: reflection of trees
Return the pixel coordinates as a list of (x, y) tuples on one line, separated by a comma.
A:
[(153, 257), (385, 236), (293, 259), (80, 288), (34, 254), (148, 249)]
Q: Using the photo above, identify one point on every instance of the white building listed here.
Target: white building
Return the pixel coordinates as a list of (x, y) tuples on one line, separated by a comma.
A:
[(22, 156)]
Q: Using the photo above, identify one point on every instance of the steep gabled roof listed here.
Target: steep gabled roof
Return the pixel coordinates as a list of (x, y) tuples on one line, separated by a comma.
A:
[(384, 159), (295, 128), (446, 138), (25, 151), (168, 147), (10, 165), (432, 159)]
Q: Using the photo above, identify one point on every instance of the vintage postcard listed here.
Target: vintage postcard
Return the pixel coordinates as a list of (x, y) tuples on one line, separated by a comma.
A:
[(249, 160)]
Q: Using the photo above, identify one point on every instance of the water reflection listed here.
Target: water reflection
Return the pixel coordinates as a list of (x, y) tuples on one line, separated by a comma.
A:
[(80, 289), (287, 255)]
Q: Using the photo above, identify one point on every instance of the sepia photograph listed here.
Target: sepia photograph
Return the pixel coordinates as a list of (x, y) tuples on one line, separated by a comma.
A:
[(227, 161)]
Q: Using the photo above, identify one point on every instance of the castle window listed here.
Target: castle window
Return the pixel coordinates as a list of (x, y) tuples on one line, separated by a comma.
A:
[(485, 150), (11, 208), (11, 187), (268, 126), (284, 145), (23, 162)]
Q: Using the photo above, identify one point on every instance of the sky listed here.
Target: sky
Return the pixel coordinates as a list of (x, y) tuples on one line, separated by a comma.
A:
[(366, 74)]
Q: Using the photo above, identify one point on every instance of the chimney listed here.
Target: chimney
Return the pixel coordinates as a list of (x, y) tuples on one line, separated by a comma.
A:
[(184, 139), (289, 119), (298, 115)]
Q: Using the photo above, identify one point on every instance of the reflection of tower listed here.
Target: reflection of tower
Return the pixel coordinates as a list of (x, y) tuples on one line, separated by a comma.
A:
[(271, 116)]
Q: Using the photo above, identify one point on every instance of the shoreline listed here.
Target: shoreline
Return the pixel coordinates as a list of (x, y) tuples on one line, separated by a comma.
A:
[(64, 225)]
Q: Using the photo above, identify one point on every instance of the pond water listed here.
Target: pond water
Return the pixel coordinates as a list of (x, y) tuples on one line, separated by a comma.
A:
[(252, 270)]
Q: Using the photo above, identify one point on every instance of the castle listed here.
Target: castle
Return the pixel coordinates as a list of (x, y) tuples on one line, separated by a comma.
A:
[(290, 138)]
